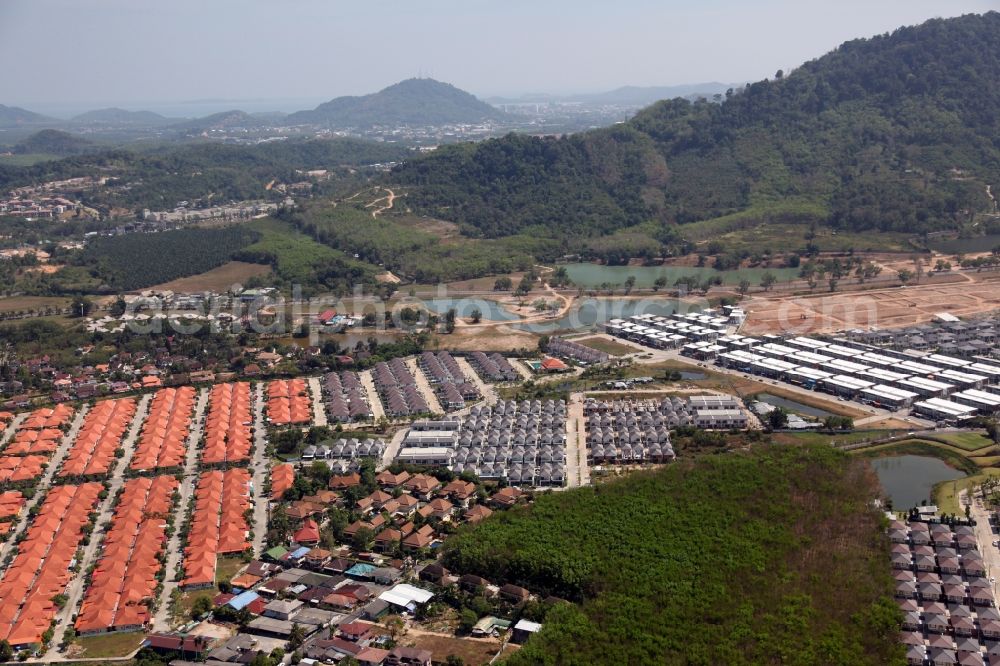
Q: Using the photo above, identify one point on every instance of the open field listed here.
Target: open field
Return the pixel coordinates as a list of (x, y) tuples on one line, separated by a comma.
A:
[(879, 308), (836, 439), (472, 651), (218, 279), (227, 568), (967, 441), (608, 346), (17, 303), (26, 159), (107, 645)]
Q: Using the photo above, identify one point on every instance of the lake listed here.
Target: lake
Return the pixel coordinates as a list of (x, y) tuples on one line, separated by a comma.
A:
[(594, 275), (793, 405), (908, 479)]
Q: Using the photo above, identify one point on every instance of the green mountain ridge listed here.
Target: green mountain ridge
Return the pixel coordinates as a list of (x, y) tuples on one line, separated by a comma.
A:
[(410, 102), (116, 116), (14, 116), (894, 133), (54, 142)]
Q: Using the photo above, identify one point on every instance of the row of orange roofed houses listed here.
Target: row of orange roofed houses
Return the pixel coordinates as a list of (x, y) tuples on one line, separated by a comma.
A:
[(282, 478), (228, 426), (124, 581), (218, 525), (35, 440), (40, 432), (11, 504), (288, 402), (163, 443), (93, 452), (41, 568)]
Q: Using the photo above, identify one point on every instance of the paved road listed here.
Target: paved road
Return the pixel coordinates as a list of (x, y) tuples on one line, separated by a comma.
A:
[(577, 472), (488, 391), (161, 618), (45, 482), (392, 447), (424, 386), (260, 470), (319, 407), (373, 400), (985, 535), (105, 511), (11, 428)]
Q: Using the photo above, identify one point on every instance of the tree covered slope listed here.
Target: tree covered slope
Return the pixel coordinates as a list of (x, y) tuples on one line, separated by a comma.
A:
[(409, 102), (897, 132), (774, 556)]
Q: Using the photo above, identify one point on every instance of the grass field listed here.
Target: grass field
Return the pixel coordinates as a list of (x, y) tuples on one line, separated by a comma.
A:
[(608, 346), (16, 303), (227, 568), (27, 159), (967, 441), (108, 645), (218, 279)]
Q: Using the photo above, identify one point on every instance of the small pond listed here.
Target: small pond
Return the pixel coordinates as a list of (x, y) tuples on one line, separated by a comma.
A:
[(793, 406), (692, 375), (909, 479), (464, 307)]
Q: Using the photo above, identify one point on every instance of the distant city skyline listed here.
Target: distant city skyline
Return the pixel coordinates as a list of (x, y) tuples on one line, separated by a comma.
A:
[(64, 56)]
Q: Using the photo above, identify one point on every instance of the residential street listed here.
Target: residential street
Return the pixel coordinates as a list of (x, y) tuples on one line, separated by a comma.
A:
[(43, 484), (260, 471), (318, 406), (577, 472), (488, 391), (12, 427), (161, 619), (986, 535), (373, 400), (424, 386), (76, 587)]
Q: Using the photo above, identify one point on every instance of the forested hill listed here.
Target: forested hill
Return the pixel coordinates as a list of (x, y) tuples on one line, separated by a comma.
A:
[(412, 102), (54, 142), (897, 132), (162, 177)]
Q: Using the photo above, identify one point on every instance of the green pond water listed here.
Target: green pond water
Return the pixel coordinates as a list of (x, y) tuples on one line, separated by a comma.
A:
[(909, 479)]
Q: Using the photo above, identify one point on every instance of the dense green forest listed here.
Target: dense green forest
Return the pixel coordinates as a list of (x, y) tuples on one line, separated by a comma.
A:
[(53, 142), (297, 259), (134, 261), (894, 133), (160, 178), (763, 557)]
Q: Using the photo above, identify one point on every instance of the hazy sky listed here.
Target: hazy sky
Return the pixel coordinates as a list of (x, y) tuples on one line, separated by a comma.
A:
[(86, 53)]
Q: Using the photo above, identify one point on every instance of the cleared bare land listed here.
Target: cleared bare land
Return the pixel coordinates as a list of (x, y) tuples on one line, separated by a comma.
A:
[(879, 308)]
